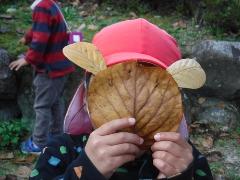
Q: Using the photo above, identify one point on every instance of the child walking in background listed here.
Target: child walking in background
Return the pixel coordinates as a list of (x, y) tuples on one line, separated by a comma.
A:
[(109, 153), (46, 39)]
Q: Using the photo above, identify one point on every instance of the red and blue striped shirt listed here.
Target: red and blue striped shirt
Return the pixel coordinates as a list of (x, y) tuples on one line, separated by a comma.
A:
[(46, 38)]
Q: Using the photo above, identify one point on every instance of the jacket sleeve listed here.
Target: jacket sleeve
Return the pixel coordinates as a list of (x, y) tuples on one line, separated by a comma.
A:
[(60, 161), (82, 168), (197, 170), (28, 36), (40, 34)]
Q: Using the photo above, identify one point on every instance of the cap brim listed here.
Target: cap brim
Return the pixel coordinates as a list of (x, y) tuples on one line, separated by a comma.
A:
[(126, 56)]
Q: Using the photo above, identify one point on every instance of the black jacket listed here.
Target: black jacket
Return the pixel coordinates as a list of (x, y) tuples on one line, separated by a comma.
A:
[(64, 158)]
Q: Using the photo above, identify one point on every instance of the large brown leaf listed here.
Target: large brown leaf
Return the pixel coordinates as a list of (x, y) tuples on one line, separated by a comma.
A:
[(149, 94)]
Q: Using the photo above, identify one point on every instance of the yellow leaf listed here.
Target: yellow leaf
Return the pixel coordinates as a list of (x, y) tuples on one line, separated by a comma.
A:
[(148, 94), (188, 73), (85, 55)]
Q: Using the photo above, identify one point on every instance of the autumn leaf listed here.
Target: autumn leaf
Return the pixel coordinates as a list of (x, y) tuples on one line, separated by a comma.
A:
[(188, 73), (149, 94), (85, 55), (207, 142)]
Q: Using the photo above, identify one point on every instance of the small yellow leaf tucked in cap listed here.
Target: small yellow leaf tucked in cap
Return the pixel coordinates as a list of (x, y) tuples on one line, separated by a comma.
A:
[(188, 73), (85, 55)]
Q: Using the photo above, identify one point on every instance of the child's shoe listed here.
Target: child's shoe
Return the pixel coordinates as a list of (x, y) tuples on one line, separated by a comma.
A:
[(29, 147)]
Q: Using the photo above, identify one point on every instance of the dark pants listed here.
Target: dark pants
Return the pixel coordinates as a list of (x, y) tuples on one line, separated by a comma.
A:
[(48, 106)]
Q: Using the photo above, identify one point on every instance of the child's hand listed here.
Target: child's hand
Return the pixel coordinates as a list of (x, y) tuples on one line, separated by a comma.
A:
[(16, 65), (23, 40), (171, 154), (108, 148)]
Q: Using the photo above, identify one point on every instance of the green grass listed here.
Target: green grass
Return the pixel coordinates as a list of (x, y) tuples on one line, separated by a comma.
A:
[(11, 134), (219, 168), (231, 147), (7, 167), (20, 22), (101, 17), (185, 36), (11, 166), (216, 167)]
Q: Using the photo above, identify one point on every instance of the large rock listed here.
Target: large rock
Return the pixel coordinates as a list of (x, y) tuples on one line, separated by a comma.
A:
[(8, 88), (215, 113), (221, 62), (9, 110)]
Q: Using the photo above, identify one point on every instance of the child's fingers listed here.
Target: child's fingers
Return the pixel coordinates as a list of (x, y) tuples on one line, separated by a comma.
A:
[(13, 65), (172, 153), (18, 67), (168, 146), (22, 40), (164, 167), (123, 137), (123, 149), (171, 136), (172, 160), (161, 176), (114, 126)]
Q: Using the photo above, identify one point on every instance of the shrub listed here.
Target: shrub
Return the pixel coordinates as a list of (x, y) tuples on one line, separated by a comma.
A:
[(223, 14), (139, 6), (11, 133)]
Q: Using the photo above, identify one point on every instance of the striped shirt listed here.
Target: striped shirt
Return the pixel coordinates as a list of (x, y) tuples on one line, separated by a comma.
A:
[(46, 39)]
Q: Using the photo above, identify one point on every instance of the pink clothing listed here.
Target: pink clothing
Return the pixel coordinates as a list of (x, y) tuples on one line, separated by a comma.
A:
[(77, 120)]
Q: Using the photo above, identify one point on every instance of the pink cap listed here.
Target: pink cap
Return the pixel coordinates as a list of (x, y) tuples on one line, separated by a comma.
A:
[(137, 39)]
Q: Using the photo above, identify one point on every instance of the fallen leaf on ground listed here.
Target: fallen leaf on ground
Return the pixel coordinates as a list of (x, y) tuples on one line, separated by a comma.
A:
[(180, 24), (195, 125), (201, 100), (92, 27), (25, 159), (133, 14), (5, 156), (23, 172), (4, 16), (76, 3), (81, 27), (207, 142), (101, 17), (83, 13)]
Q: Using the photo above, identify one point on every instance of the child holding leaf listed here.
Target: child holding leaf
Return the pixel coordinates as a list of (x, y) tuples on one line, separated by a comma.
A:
[(131, 98)]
